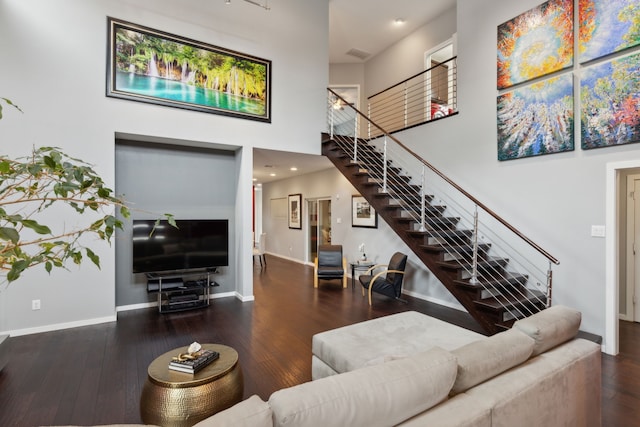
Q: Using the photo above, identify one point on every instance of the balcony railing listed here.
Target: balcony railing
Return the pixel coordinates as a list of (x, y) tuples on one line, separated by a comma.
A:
[(426, 96)]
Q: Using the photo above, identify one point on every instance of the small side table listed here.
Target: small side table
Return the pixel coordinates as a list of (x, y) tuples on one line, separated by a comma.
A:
[(359, 266), (172, 398)]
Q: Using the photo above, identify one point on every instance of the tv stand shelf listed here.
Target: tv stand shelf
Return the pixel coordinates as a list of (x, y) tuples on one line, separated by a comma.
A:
[(178, 292)]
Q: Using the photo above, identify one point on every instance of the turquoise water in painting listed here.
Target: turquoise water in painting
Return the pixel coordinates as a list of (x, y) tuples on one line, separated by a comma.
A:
[(177, 91)]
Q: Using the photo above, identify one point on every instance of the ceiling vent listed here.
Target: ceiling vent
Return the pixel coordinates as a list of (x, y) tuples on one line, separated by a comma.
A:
[(361, 54)]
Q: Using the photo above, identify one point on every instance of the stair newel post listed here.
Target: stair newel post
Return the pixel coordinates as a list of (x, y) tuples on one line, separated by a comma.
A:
[(331, 121), (355, 139), (369, 121), (549, 285), (406, 106), (423, 212), (474, 268), (384, 166)]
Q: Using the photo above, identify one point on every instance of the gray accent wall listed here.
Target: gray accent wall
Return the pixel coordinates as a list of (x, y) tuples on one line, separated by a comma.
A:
[(189, 183)]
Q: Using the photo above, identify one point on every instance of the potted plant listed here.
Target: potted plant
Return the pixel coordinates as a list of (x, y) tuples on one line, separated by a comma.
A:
[(28, 187)]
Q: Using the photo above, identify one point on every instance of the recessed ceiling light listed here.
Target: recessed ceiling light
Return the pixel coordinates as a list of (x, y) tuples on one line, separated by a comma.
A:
[(294, 168), (272, 174), (399, 21), (255, 179)]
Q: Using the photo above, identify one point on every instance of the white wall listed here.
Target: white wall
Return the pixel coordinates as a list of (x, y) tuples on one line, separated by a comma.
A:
[(54, 62), (406, 57)]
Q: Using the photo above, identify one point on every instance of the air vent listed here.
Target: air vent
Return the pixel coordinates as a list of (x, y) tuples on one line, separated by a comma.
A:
[(361, 54)]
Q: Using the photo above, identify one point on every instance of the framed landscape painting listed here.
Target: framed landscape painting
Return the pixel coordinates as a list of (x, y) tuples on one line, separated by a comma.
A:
[(536, 119), (610, 103), (362, 213), (152, 66), (607, 26), (535, 43)]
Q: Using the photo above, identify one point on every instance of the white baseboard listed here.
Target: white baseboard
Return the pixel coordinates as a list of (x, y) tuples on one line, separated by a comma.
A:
[(448, 304), (59, 326), (298, 261)]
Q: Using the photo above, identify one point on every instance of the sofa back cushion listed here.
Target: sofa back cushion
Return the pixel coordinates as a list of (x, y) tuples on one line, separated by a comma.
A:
[(550, 327), (484, 359), (251, 412), (380, 395)]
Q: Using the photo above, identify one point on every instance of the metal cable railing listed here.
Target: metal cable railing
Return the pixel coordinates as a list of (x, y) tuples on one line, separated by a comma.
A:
[(426, 96), (492, 253)]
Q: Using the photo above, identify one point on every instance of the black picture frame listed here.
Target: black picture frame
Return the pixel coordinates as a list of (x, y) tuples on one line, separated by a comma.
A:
[(189, 74), (295, 211), (362, 213)]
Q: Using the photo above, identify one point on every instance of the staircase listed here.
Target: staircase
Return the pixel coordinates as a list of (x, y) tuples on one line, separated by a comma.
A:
[(468, 248)]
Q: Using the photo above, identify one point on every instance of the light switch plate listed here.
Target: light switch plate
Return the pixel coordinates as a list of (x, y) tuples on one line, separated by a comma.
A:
[(597, 231)]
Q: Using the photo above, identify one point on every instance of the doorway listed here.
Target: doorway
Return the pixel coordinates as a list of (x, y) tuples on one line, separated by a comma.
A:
[(319, 225), (629, 307), (615, 249), (439, 88)]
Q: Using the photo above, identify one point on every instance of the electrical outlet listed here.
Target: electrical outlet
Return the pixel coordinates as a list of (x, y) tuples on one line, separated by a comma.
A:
[(35, 304)]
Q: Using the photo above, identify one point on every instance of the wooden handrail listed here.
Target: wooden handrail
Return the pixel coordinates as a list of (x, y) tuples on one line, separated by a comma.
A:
[(454, 185)]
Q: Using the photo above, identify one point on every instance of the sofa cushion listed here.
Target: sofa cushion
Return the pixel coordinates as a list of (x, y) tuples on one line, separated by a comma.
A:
[(251, 412), (385, 394), (561, 387), (366, 343), (550, 327), (482, 360)]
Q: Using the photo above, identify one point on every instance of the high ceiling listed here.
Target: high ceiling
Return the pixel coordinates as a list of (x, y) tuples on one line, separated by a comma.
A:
[(365, 26), (368, 25)]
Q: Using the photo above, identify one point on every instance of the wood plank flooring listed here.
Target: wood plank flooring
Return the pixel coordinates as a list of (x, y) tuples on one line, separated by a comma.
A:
[(94, 375)]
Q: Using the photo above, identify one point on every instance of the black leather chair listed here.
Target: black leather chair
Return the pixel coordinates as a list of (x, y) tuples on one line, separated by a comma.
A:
[(330, 264), (387, 281)]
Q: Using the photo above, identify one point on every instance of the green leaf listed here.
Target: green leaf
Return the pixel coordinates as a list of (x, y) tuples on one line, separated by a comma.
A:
[(11, 234), (16, 268), (5, 167), (93, 257), (38, 228), (49, 162), (48, 266)]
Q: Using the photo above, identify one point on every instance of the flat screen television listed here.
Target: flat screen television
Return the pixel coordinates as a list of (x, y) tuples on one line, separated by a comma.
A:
[(194, 244)]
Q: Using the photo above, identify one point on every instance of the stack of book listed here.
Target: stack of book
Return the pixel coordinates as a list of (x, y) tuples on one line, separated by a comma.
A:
[(191, 366)]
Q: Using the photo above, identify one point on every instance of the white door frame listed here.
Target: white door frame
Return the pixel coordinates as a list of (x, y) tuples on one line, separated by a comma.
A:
[(611, 339), (629, 255)]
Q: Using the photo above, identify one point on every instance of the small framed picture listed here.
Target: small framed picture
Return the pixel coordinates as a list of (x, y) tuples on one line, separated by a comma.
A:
[(295, 211), (362, 213)]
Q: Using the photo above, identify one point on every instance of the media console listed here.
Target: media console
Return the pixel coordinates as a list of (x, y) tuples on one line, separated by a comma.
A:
[(181, 291)]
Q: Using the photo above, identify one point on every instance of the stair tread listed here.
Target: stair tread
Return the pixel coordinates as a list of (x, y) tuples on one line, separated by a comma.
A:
[(511, 279), (455, 248), (505, 302), (462, 264)]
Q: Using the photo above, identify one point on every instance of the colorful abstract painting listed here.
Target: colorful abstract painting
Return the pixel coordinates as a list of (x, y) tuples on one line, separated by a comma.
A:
[(536, 119), (536, 43), (610, 103), (607, 26)]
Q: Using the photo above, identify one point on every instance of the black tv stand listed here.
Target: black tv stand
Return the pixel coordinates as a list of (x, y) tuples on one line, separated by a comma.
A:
[(181, 290)]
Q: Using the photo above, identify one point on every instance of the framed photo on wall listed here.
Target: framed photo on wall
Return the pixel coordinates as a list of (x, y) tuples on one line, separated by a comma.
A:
[(362, 213), (152, 66), (295, 211)]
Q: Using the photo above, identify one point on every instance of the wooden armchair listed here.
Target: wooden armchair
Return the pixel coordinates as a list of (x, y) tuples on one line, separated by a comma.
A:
[(387, 281), (330, 264)]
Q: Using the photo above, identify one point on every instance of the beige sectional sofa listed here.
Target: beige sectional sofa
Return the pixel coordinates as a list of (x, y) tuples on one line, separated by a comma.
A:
[(388, 371)]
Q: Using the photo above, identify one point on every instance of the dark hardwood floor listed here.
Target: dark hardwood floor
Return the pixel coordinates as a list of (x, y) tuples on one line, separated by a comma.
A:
[(94, 374)]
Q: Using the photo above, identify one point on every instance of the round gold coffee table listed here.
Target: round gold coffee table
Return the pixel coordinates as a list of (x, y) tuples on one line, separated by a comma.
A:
[(172, 398)]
